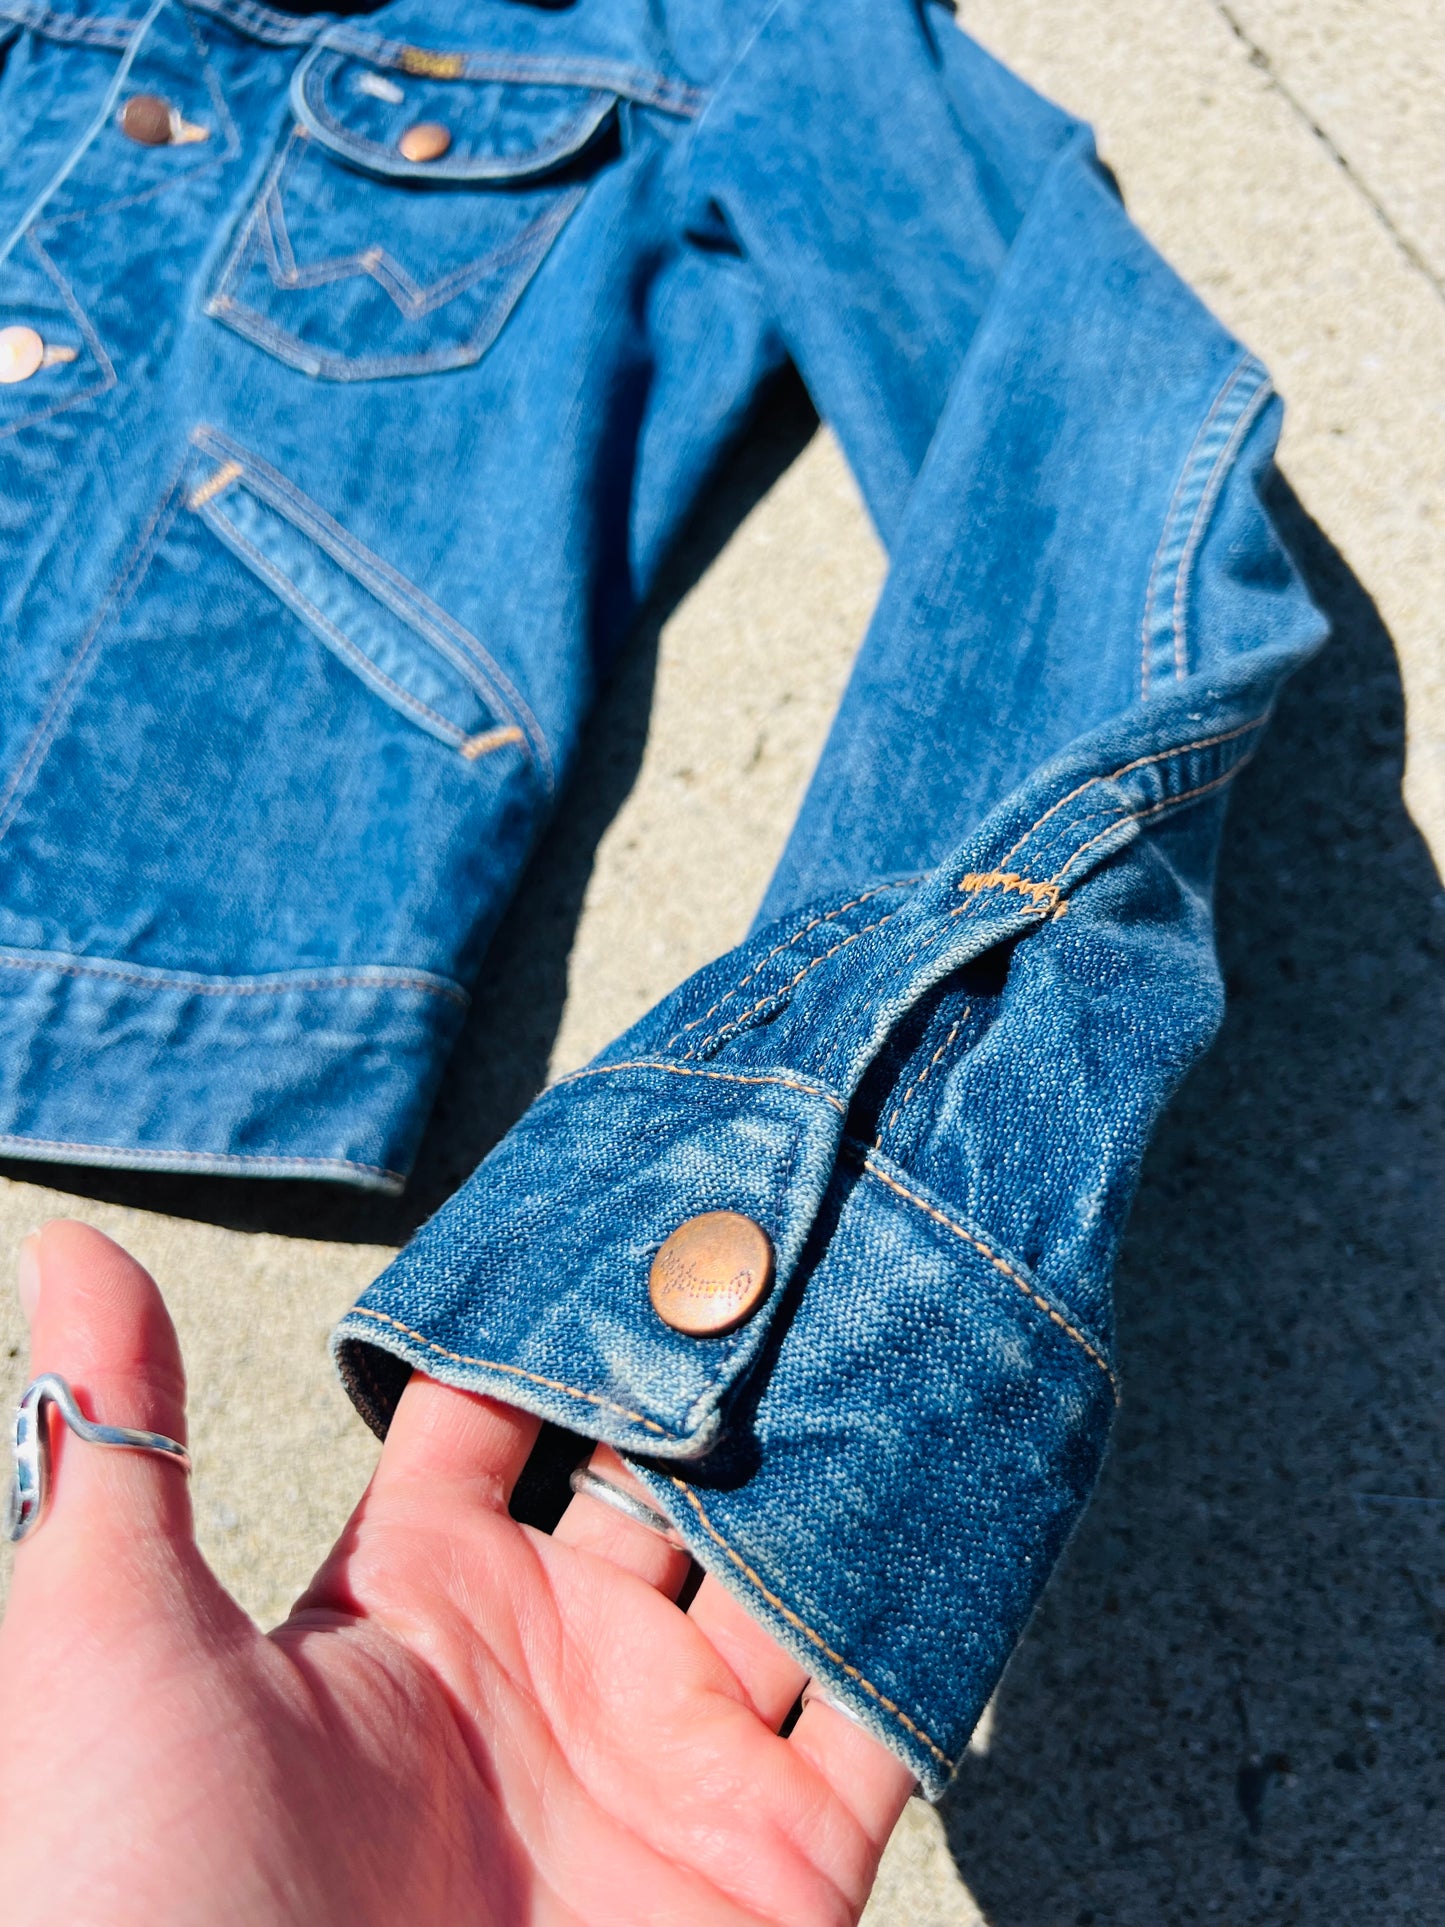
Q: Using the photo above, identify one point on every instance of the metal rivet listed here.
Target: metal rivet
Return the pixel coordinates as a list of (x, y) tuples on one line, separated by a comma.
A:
[(427, 141), (711, 1275), (147, 119), (21, 353)]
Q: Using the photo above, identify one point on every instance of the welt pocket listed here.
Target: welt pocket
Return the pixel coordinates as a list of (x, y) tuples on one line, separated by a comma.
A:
[(368, 255), (405, 650)]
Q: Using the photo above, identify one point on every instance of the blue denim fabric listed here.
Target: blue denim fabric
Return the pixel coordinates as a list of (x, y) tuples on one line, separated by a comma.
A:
[(370, 462)]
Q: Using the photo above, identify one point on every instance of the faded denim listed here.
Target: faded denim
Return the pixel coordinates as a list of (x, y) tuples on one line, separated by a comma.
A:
[(367, 485)]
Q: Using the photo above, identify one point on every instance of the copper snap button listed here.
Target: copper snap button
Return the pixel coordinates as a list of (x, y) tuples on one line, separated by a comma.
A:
[(711, 1275), (21, 353), (427, 141), (146, 118)]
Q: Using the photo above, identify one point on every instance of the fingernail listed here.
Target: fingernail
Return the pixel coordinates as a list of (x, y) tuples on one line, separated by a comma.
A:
[(27, 1280)]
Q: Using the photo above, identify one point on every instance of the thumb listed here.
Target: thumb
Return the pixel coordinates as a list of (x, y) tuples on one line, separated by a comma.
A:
[(98, 1320)]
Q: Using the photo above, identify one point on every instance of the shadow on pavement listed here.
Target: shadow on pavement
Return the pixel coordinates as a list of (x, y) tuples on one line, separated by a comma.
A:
[(500, 1061), (1227, 1709)]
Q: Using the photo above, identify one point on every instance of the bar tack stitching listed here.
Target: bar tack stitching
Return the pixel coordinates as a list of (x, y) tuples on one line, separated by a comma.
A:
[(1044, 895), (793, 1619), (1001, 1265), (476, 747), (1130, 816), (514, 1371), (209, 490)]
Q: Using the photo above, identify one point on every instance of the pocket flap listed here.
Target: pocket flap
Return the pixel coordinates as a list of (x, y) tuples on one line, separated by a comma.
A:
[(488, 127)]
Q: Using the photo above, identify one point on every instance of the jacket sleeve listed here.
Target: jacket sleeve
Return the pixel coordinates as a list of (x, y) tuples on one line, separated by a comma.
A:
[(987, 955)]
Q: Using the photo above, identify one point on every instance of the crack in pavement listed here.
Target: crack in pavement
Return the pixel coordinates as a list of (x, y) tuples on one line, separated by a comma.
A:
[(1260, 57)]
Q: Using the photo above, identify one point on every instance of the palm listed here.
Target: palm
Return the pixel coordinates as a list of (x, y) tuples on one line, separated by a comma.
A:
[(464, 1720)]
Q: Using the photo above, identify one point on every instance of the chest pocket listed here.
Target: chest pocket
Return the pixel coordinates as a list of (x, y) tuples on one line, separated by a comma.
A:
[(409, 207)]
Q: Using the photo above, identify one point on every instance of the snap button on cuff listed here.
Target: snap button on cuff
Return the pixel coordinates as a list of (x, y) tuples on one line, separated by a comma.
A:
[(21, 353), (427, 141), (711, 1274)]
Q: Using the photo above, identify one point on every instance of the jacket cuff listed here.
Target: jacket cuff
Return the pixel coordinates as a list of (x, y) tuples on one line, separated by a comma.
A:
[(933, 1098)]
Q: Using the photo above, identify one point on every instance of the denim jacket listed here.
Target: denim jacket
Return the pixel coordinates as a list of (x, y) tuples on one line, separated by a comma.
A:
[(357, 383)]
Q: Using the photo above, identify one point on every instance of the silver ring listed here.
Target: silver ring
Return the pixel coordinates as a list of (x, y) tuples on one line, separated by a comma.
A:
[(813, 1691), (30, 1485), (592, 1485)]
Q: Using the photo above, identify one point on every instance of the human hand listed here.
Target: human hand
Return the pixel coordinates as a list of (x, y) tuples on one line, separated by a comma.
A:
[(462, 1720)]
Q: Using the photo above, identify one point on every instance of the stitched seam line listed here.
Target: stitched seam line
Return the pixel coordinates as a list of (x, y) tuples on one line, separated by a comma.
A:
[(208, 1157), (514, 1371), (388, 585), (1224, 463), (273, 28), (1053, 887), (817, 1639), (203, 987), (571, 142), (202, 165), (1129, 816), (411, 299), (903, 883), (922, 1076), (1000, 1265), (1112, 811), (1157, 809), (132, 569), (1181, 487), (783, 990), (633, 83), (1140, 762), (104, 365), (355, 657), (684, 1070)]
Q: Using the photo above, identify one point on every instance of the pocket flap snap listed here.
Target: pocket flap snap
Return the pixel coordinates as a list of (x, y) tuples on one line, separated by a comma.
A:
[(425, 116)]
